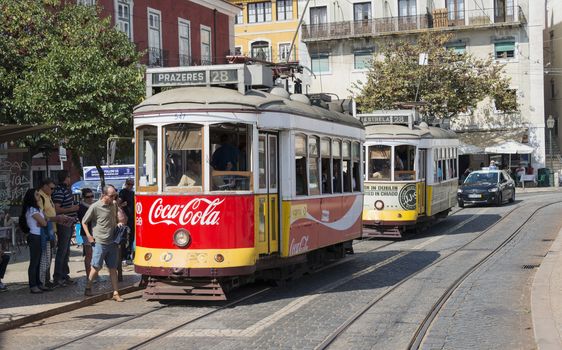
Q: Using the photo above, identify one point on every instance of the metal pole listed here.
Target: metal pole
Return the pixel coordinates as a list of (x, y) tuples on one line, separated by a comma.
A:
[(550, 147)]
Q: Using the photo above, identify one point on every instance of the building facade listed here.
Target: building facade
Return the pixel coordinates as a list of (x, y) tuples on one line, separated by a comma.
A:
[(341, 37), (553, 71), (175, 32), (265, 29)]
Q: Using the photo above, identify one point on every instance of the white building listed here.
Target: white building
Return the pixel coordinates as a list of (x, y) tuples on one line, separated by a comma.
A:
[(339, 37)]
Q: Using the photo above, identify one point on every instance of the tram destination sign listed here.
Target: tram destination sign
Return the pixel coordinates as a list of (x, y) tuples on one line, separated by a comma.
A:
[(195, 77), (385, 119)]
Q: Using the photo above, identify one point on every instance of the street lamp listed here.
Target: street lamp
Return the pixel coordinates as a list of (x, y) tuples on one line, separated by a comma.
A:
[(550, 125)]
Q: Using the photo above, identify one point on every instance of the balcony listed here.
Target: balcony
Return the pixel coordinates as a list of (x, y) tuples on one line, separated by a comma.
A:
[(155, 57), (439, 19)]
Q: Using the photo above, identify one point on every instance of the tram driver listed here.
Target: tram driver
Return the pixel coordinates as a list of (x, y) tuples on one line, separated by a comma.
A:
[(226, 153)]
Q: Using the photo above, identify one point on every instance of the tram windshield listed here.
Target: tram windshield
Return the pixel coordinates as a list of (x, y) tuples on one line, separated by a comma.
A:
[(230, 160), (183, 143), (391, 163)]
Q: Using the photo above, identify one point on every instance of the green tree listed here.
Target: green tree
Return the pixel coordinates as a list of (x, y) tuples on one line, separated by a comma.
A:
[(70, 68), (450, 83)]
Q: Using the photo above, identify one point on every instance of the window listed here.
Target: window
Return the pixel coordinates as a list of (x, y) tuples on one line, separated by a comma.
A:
[(406, 8), (147, 151), (362, 59), (361, 11), (458, 48), (336, 166), (183, 169), (379, 162), (123, 21), (300, 166), (284, 10), (404, 157), (320, 62), (505, 49), (230, 157), (284, 52), (313, 155), (259, 12), (272, 161), (261, 50), (325, 165), (319, 15), (239, 19), (262, 163), (184, 36), (346, 150), (206, 45), (455, 8), (86, 2), (155, 54), (355, 158)]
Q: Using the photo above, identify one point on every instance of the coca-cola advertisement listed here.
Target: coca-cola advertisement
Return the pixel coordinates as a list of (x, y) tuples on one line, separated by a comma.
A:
[(214, 222)]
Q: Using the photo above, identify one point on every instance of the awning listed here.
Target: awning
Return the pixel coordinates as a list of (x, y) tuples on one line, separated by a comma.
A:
[(483, 139), (11, 132), (469, 149), (510, 147)]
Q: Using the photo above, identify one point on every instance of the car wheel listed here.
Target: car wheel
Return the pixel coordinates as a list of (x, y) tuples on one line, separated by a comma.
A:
[(461, 204), (512, 199), (500, 199)]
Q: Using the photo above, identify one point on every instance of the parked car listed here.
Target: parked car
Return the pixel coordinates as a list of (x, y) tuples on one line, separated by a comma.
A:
[(486, 187)]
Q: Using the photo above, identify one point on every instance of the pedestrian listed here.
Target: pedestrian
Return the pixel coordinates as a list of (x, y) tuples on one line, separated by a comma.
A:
[(4, 260), (85, 203), (122, 234), (64, 204), (103, 215), (127, 203), (48, 208), (32, 218), (493, 165)]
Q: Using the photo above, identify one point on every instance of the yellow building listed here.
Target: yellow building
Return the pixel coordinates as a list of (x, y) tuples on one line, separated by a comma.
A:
[(264, 29)]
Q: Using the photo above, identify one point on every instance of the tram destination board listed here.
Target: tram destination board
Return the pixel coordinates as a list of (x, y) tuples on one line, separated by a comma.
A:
[(385, 119), (195, 77)]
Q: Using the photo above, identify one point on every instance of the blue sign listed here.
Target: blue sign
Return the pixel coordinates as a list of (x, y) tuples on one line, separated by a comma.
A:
[(112, 172)]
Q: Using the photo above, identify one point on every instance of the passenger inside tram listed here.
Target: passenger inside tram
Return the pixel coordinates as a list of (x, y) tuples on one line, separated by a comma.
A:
[(226, 153), (192, 176)]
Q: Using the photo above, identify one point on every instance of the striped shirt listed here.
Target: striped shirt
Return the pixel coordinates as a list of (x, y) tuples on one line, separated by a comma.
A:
[(63, 196)]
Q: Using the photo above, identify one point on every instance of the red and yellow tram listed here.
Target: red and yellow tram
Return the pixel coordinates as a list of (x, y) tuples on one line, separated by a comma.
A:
[(235, 184)]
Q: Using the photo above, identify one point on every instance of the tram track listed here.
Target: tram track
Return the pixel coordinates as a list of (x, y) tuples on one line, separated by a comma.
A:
[(426, 324)]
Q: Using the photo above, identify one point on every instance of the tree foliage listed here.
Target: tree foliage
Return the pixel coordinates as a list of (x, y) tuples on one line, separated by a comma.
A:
[(61, 64), (451, 82)]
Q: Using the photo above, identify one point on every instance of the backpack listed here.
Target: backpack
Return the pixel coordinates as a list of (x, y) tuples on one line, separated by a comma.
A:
[(22, 223)]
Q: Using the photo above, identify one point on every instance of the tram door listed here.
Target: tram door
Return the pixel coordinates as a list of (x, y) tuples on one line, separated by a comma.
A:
[(422, 183), (267, 197)]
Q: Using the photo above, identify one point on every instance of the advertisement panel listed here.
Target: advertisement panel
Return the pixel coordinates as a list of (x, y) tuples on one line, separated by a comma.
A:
[(213, 222), (111, 172), (396, 196)]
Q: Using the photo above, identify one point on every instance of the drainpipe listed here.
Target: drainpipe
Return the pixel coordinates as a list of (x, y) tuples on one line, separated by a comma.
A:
[(214, 35)]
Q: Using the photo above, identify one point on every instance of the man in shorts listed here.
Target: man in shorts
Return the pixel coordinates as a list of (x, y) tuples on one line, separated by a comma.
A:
[(103, 215)]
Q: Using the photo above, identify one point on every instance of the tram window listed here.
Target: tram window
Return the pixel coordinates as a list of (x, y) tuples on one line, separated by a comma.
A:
[(183, 144), (261, 162), (347, 166), (326, 169), (379, 163), (147, 152), (404, 159), (229, 156), (300, 165), (356, 157), (336, 166), (313, 154), (272, 162)]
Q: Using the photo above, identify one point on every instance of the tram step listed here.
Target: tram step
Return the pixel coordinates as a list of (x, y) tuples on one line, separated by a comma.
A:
[(184, 290), (373, 232)]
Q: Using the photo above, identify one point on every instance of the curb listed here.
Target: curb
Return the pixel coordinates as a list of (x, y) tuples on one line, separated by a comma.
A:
[(546, 306), (66, 308)]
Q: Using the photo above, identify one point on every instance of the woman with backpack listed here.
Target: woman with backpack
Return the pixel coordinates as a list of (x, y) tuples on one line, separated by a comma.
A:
[(32, 219)]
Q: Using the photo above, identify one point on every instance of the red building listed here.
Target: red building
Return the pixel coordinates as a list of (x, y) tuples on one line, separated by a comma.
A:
[(175, 32)]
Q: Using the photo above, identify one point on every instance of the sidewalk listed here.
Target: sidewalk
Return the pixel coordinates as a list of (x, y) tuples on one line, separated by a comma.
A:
[(18, 306), (546, 299)]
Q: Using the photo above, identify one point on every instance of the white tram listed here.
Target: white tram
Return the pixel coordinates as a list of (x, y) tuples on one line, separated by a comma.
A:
[(234, 183), (411, 173)]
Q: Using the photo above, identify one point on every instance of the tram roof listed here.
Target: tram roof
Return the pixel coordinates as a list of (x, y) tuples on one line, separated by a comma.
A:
[(404, 132), (216, 98)]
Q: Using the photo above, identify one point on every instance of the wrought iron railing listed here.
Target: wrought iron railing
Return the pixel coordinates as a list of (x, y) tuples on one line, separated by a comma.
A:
[(438, 18), (157, 57)]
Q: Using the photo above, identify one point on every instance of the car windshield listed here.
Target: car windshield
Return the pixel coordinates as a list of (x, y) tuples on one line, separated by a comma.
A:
[(482, 177)]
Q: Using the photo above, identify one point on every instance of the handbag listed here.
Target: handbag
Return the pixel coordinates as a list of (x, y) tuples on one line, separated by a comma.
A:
[(120, 234)]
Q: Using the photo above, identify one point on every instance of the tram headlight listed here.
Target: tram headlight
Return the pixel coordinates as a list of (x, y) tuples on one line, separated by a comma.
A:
[(379, 205), (493, 189), (182, 238)]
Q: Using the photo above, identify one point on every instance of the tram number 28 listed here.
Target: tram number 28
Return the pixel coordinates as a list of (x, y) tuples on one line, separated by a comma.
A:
[(224, 76)]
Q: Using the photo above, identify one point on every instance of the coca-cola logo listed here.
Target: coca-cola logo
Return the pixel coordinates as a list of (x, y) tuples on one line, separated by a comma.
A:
[(299, 247), (198, 211)]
